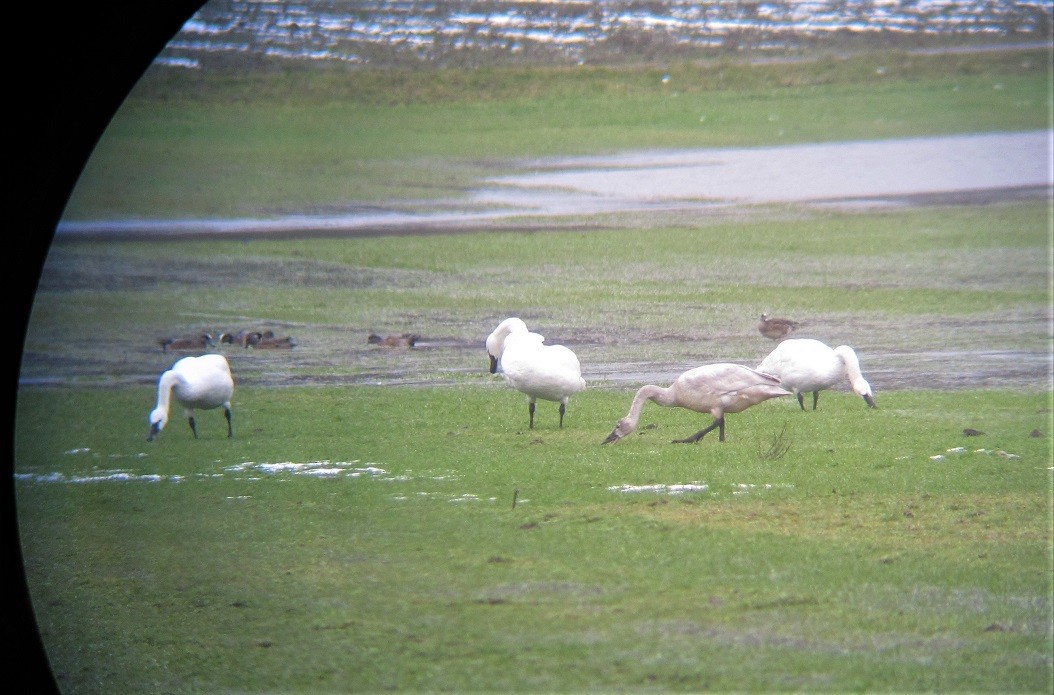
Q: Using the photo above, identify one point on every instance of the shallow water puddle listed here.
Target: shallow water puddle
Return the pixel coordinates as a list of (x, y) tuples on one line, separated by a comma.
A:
[(99, 476), (960, 451), (319, 469), (697, 487), (674, 489), (257, 471)]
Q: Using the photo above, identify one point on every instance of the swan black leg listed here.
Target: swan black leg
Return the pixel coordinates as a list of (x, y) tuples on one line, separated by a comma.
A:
[(815, 397), (230, 429), (801, 401), (193, 427), (562, 409), (718, 423), (530, 409)]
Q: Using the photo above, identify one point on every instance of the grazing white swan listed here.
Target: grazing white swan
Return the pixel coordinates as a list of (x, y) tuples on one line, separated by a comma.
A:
[(776, 328), (196, 383), (713, 388), (549, 372), (804, 364)]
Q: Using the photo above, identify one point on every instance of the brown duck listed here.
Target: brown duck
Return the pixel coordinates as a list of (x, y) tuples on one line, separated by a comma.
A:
[(406, 340), (776, 328)]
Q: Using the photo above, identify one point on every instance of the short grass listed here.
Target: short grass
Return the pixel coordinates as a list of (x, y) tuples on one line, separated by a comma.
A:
[(439, 544), (248, 144), (450, 548)]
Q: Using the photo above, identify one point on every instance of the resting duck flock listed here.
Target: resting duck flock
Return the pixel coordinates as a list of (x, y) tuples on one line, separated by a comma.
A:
[(717, 389), (804, 365), (549, 372), (257, 339), (197, 383)]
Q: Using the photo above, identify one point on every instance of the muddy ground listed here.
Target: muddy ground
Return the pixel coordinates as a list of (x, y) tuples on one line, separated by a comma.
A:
[(1005, 349)]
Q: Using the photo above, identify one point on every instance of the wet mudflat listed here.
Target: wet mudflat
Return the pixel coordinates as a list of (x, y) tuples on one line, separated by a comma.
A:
[(970, 168), (1005, 349)]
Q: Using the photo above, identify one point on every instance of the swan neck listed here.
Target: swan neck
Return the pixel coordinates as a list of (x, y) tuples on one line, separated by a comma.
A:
[(852, 364), (852, 369), (662, 396), (164, 390), (497, 340)]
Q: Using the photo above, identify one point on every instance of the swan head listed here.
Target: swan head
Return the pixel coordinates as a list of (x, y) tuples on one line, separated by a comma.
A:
[(852, 371), (158, 420), (496, 340), (624, 427), (495, 344), (863, 389)]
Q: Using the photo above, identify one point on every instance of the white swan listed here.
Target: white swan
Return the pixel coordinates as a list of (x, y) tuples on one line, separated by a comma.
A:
[(804, 364), (549, 372), (714, 388), (197, 383)]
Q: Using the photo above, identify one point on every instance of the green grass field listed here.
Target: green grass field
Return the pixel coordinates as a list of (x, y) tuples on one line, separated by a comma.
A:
[(359, 536), (854, 561)]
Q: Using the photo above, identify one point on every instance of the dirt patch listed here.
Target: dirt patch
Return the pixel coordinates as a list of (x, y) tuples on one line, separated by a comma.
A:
[(329, 356)]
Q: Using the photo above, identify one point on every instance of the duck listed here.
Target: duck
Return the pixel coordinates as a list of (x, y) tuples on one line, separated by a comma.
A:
[(805, 364), (258, 339), (406, 340), (197, 383), (239, 338), (717, 389), (776, 328), (196, 342), (547, 372), (268, 340)]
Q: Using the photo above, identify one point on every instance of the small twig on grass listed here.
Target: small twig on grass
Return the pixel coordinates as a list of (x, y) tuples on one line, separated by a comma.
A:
[(777, 448)]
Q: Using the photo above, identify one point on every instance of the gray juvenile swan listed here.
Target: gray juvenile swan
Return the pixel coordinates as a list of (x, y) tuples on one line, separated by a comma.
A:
[(197, 383), (714, 388), (549, 372), (804, 364)]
